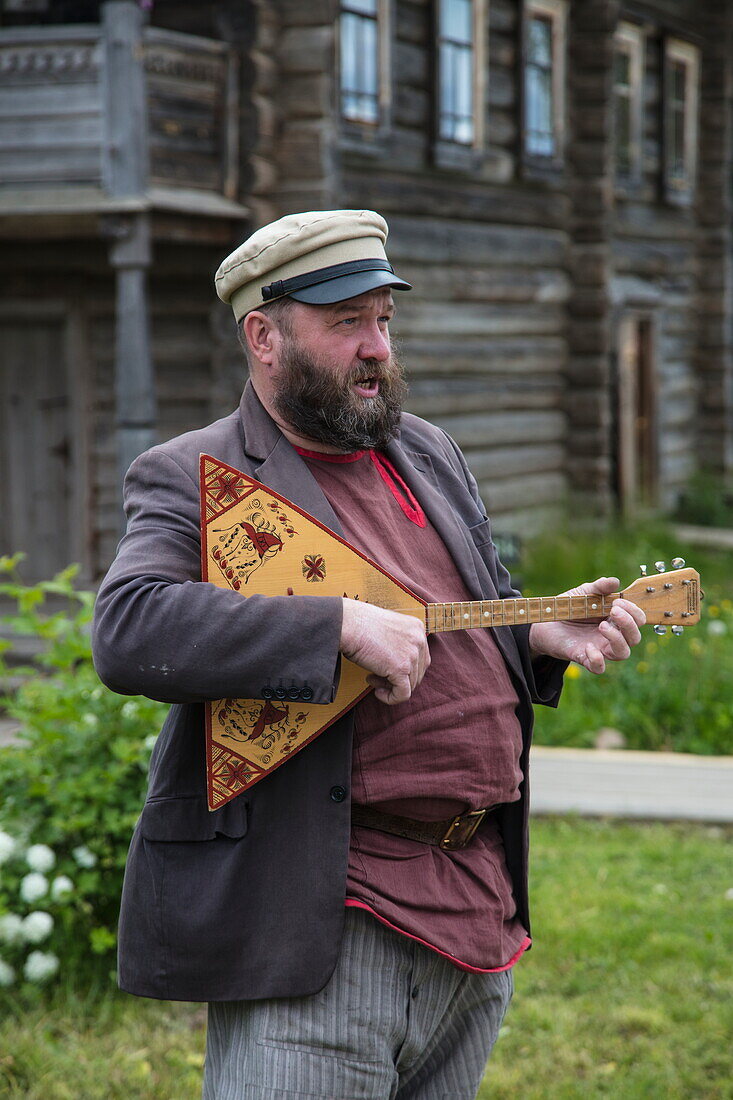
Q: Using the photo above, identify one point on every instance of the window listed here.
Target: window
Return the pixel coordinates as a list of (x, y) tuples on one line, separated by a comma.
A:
[(544, 78), (460, 71), (628, 102), (364, 60), (681, 80)]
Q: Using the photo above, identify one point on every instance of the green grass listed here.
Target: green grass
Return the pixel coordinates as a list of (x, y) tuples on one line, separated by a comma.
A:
[(627, 993)]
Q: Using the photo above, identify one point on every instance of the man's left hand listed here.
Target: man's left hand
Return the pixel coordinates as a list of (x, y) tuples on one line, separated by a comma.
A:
[(591, 644)]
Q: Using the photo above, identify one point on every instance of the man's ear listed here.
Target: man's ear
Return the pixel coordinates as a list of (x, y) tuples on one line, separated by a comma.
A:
[(259, 331)]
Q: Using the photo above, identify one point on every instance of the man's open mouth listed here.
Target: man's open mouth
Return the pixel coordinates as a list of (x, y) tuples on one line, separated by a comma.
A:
[(367, 387)]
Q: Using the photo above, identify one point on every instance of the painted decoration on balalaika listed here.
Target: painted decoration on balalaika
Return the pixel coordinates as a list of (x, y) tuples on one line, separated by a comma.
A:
[(256, 542)]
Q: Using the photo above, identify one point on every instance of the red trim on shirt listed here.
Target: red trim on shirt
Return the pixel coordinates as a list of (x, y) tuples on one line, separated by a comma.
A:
[(352, 903), (399, 490), (353, 457), (407, 503)]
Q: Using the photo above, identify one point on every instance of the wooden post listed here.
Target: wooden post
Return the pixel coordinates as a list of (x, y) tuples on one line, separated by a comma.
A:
[(126, 175), (135, 401)]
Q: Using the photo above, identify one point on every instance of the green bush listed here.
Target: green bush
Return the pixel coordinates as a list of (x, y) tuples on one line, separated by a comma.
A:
[(70, 791)]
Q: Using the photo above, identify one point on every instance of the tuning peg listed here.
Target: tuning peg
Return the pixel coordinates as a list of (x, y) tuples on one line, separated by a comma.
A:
[(677, 629), (678, 563), (642, 570), (660, 630), (659, 566)]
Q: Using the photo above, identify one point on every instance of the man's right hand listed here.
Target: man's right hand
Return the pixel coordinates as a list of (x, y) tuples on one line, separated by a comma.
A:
[(391, 646)]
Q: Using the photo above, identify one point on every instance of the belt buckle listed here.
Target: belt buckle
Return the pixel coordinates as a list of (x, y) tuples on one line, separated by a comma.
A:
[(461, 830)]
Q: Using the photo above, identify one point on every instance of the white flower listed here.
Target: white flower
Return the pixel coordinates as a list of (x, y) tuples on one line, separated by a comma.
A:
[(149, 741), (7, 974), (37, 926), (40, 857), (130, 709), (717, 626), (90, 721), (33, 887), (84, 857), (11, 928), (61, 887), (7, 846), (39, 966), (729, 894)]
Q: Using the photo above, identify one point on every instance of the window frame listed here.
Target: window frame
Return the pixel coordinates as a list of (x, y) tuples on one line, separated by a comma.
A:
[(680, 189), (447, 152), (361, 131), (631, 39), (557, 13)]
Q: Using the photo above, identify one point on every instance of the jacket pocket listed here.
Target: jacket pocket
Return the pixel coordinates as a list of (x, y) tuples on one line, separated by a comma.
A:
[(481, 533), (189, 819)]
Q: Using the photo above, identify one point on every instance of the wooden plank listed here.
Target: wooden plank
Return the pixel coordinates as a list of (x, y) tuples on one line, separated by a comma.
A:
[(473, 242), (505, 428), (40, 133), (517, 460), (73, 163), (44, 101), (512, 493), (483, 318), (482, 355), (469, 282)]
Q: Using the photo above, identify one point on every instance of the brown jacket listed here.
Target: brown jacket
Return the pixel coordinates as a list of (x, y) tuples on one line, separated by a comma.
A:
[(247, 902)]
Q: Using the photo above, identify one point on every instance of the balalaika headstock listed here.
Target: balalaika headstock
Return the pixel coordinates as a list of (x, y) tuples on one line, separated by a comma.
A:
[(667, 599)]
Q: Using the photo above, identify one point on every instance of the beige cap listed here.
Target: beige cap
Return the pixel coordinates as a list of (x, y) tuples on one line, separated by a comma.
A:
[(318, 257)]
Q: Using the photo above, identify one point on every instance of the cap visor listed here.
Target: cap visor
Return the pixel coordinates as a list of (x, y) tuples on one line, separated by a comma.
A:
[(348, 286)]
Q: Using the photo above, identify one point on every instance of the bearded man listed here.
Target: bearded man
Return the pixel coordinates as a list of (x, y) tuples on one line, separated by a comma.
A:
[(345, 949)]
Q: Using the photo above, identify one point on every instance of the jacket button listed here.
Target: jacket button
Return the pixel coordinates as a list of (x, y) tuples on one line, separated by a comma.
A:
[(267, 692), (280, 692), (293, 694), (338, 794), (306, 694)]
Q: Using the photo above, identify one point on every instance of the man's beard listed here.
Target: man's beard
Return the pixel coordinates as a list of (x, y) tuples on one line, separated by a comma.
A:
[(321, 405)]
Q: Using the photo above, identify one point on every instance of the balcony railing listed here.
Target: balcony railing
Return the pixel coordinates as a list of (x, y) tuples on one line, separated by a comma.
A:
[(114, 114)]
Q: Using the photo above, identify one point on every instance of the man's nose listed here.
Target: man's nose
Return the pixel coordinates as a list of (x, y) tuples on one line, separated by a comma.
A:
[(375, 345)]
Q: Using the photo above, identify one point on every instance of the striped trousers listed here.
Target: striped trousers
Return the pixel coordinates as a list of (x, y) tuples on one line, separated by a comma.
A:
[(395, 1022)]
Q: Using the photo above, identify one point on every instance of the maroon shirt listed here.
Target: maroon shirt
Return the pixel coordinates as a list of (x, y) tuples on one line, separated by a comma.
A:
[(454, 746)]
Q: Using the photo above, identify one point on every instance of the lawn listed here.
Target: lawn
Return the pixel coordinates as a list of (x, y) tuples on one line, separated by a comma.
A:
[(627, 993)]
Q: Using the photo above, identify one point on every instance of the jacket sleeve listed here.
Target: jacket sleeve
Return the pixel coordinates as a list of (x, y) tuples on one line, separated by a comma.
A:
[(544, 675), (160, 631)]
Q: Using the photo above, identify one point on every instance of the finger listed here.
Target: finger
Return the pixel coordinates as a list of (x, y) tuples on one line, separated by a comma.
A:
[(619, 647), (637, 613), (627, 623), (594, 660), (602, 585)]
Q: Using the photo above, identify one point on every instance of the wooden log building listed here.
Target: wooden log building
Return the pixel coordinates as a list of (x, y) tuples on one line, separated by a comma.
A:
[(557, 179)]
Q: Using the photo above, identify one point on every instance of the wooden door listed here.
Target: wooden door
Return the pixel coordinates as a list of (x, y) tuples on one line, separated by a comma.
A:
[(636, 400), (37, 448)]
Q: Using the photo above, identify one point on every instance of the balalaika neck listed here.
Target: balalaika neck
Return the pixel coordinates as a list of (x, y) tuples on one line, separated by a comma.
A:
[(537, 609)]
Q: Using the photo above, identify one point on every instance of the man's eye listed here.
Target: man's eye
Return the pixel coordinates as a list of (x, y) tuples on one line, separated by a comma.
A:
[(349, 321)]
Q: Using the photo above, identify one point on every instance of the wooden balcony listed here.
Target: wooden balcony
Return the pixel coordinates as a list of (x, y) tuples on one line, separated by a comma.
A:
[(116, 117)]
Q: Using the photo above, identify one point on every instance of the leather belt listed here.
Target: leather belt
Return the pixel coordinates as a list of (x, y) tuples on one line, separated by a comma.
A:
[(450, 834)]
